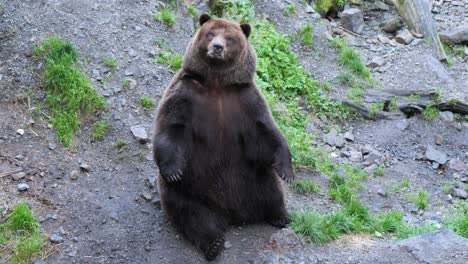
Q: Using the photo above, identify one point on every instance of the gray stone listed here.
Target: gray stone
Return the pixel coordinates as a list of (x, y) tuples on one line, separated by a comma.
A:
[(459, 193), (355, 156), (446, 116), (39, 262), (85, 167), (435, 66), (374, 156), (371, 169), (333, 139), (457, 35), (353, 20), (227, 245), (349, 136), (377, 61), (366, 149), (457, 165), (309, 10), (404, 37), (381, 6), (56, 238), (74, 174), (147, 196), (139, 133), (19, 176), (391, 25), (435, 247), (23, 187), (341, 172), (433, 154), (382, 192), (52, 146), (383, 39), (402, 124)]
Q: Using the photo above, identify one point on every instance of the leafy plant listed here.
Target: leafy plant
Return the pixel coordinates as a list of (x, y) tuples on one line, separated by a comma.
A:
[(306, 34), (110, 62), (458, 219), (171, 58), (120, 144), (380, 171), (305, 186), (165, 15), (290, 9), (100, 130), (430, 113), (192, 11), (147, 103)]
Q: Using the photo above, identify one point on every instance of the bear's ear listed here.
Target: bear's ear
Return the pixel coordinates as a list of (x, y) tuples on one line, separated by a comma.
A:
[(246, 29), (203, 18)]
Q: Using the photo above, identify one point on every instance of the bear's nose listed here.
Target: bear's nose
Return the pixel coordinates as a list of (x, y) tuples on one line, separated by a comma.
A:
[(218, 47)]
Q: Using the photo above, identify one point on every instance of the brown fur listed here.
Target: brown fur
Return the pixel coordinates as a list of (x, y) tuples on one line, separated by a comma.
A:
[(218, 150)]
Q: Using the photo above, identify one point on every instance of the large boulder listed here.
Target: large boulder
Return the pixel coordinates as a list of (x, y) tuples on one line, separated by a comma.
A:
[(352, 19)]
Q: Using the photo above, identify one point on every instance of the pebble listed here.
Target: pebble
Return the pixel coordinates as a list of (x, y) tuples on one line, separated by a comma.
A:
[(349, 136), (52, 146), (55, 238), (85, 167), (438, 139), (459, 193), (139, 133), (23, 187), (147, 196), (433, 154), (20, 131), (19, 176), (39, 262), (227, 245), (74, 174)]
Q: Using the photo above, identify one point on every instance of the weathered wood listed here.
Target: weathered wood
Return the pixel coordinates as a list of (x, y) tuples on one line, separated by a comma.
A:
[(365, 112), (8, 173), (418, 17)]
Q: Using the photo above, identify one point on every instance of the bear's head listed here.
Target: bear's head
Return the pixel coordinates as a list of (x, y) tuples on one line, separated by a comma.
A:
[(221, 46)]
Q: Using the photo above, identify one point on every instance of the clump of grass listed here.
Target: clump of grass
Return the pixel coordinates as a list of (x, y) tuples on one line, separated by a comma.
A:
[(69, 92), (346, 78), (414, 98), (146, 102), (327, 5), (120, 144), (192, 11), (165, 15), (290, 9), (110, 62), (420, 199), (355, 94), (430, 113), (20, 235), (305, 187), (100, 130), (306, 34), (405, 183), (374, 108), (350, 59), (171, 58), (393, 106), (380, 171), (126, 83), (458, 219)]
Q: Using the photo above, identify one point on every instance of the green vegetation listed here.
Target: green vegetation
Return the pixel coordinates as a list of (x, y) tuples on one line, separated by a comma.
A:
[(327, 5), (69, 93), (171, 58), (458, 219), (380, 171), (374, 108), (165, 15), (20, 236), (191, 9), (420, 199), (393, 106), (290, 9), (110, 62), (350, 59), (100, 130), (305, 186), (126, 83), (306, 34), (120, 144), (430, 113), (405, 183), (346, 78), (147, 103)]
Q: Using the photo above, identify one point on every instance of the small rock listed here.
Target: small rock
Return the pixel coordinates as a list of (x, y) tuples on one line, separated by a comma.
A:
[(374, 156), (457, 35), (371, 169), (19, 176), (333, 139), (355, 156), (459, 193), (114, 216), (376, 62), (138, 28), (74, 175), (438, 139), (392, 25), (227, 245), (381, 6), (52, 146), (309, 10), (366, 149), (435, 165), (341, 172), (147, 196), (353, 20), (39, 262), (402, 124), (23, 187), (132, 53), (20, 131), (446, 116), (21, 157), (457, 165), (349, 136), (383, 39), (381, 192), (433, 154), (139, 133), (85, 167), (55, 238), (404, 37)]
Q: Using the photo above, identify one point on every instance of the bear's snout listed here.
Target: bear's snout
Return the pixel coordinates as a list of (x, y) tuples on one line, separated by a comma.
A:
[(216, 49)]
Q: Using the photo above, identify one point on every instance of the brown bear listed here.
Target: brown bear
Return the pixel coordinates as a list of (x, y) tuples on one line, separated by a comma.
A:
[(219, 152)]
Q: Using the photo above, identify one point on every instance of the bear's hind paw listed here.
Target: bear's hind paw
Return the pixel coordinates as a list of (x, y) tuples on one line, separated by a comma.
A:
[(214, 249), (280, 222)]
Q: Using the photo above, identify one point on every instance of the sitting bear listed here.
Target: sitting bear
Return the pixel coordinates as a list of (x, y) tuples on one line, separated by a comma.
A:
[(219, 152)]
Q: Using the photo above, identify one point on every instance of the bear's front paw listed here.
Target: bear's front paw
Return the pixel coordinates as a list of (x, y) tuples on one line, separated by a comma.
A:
[(171, 173), (284, 172)]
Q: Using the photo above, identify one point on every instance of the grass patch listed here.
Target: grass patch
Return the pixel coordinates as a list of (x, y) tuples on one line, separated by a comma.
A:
[(380, 171), (165, 15), (414, 98), (458, 219), (119, 144), (305, 186), (290, 9), (147, 103), (393, 106), (69, 92), (110, 62), (100, 130), (20, 235), (171, 58), (346, 78), (430, 113), (306, 34), (327, 5), (350, 59), (192, 11), (405, 183), (420, 199), (374, 108)]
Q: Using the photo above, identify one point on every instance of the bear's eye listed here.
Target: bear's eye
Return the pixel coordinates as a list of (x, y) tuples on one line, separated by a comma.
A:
[(210, 34), (230, 39)]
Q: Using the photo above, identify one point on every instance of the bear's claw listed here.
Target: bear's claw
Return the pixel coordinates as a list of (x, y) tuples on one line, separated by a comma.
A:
[(280, 222), (214, 249)]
